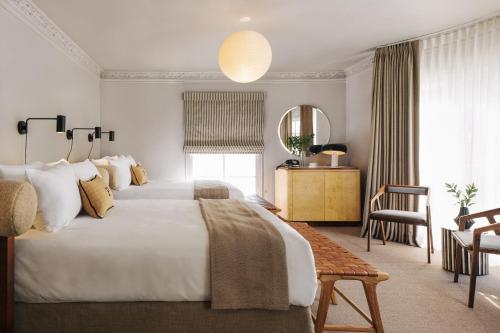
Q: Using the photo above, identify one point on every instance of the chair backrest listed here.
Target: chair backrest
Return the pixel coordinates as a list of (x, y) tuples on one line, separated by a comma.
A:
[(407, 189)]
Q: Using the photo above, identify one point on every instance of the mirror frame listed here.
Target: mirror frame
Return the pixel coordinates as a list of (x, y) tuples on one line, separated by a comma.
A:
[(290, 109)]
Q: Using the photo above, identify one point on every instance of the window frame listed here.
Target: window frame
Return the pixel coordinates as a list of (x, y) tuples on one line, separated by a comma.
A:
[(259, 174)]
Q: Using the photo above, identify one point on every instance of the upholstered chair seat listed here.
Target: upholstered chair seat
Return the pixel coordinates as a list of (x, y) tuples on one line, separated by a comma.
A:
[(401, 216), (488, 242)]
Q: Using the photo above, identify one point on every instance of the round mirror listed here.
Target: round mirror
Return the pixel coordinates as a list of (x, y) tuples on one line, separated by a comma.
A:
[(303, 126)]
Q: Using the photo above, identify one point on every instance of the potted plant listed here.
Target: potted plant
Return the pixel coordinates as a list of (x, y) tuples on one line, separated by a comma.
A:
[(298, 144), (464, 199)]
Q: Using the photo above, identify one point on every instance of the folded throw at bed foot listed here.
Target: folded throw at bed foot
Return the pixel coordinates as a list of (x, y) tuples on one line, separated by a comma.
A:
[(248, 268), (210, 189)]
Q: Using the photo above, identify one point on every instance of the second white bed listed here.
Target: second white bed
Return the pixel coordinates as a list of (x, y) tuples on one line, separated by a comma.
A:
[(167, 189), (144, 250)]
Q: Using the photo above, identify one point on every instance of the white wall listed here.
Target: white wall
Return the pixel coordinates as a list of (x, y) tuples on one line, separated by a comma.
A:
[(358, 119), (148, 118), (38, 80)]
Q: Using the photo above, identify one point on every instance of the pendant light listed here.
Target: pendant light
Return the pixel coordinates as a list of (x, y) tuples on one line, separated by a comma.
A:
[(245, 56)]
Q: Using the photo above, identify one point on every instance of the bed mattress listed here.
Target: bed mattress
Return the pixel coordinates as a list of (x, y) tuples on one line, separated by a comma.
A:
[(144, 250), (167, 189)]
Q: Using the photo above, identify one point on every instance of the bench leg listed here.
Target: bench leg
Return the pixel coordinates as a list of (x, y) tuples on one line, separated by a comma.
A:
[(334, 297), (324, 302), (371, 297)]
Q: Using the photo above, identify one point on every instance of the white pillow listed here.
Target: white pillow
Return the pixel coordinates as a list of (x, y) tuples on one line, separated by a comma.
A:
[(61, 161), (129, 159), (18, 172), (124, 176), (84, 170), (101, 162), (58, 196)]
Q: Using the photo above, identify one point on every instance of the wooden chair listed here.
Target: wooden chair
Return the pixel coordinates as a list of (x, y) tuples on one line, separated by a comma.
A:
[(400, 216), (476, 242)]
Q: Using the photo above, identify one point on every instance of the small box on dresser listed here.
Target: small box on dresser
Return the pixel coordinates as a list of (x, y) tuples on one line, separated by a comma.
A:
[(316, 194)]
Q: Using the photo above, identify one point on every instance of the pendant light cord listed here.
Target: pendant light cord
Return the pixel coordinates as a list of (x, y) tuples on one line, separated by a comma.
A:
[(25, 147), (70, 150)]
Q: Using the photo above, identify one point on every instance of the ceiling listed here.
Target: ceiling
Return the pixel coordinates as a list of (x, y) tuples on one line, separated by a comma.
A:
[(305, 35)]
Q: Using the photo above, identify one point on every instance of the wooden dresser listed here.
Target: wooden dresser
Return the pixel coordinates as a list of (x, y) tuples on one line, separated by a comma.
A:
[(318, 194)]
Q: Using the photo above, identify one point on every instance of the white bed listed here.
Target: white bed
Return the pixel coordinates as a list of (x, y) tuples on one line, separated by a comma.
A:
[(167, 189), (144, 250)]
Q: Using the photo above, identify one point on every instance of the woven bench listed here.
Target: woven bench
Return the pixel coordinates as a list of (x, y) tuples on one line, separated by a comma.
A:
[(334, 263)]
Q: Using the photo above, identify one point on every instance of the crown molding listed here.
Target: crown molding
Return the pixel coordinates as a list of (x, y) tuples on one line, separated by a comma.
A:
[(360, 66), (30, 14), (217, 76)]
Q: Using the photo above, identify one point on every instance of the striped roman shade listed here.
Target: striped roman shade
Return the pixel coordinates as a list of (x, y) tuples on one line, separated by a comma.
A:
[(223, 122)]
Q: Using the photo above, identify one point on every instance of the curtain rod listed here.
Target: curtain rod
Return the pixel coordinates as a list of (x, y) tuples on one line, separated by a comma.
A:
[(483, 18)]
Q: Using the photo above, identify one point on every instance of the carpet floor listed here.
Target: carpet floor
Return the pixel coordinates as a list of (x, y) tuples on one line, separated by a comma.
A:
[(417, 297)]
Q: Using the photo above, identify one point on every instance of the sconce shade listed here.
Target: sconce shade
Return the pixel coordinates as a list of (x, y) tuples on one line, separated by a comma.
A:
[(97, 132), (111, 135), (315, 149), (61, 124), (245, 56), (334, 149)]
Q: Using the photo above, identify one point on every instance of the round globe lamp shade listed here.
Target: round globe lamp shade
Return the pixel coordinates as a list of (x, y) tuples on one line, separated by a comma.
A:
[(245, 56)]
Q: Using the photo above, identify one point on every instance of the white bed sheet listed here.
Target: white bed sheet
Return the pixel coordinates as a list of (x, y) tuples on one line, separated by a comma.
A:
[(167, 189), (144, 250)]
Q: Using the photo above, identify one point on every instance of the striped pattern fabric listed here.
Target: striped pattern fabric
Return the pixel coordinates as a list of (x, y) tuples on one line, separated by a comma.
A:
[(223, 122), (449, 244)]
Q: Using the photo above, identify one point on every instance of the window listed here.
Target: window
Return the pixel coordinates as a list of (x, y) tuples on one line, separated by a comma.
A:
[(240, 170)]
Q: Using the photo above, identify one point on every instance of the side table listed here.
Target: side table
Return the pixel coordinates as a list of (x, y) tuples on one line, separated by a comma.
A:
[(448, 251)]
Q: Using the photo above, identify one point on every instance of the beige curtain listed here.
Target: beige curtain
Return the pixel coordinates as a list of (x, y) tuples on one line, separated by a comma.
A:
[(223, 122), (394, 132)]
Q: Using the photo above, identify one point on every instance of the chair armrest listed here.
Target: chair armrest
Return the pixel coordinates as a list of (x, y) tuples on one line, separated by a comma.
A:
[(480, 230), (489, 214), (377, 195)]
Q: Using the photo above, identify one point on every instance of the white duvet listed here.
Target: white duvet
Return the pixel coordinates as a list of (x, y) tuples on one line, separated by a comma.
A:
[(167, 189), (144, 250)]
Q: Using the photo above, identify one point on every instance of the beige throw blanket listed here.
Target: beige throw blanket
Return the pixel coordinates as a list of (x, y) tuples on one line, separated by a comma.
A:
[(210, 189), (247, 258)]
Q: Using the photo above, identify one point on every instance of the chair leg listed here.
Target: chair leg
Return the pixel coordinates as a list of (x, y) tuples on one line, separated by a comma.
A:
[(382, 228), (432, 237), (473, 275), (428, 245), (369, 238), (458, 262)]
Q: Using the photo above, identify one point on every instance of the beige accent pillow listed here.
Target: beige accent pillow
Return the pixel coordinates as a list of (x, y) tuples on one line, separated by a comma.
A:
[(103, 172), (18, 205), (97, 197), (113, 176), (139, 175)]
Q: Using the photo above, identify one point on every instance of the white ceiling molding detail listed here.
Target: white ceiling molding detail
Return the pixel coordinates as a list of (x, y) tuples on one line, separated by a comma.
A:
[(218, 76), (360, 66), (30, 14)]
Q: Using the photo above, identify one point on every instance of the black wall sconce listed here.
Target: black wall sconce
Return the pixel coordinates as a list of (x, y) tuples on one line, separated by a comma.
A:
[(111, 137), (22, 128), (70, 136)]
